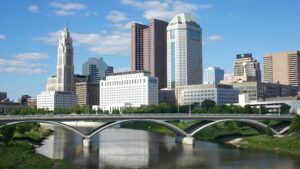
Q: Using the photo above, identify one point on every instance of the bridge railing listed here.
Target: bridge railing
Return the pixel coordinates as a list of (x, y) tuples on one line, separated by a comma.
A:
[(148, 115)]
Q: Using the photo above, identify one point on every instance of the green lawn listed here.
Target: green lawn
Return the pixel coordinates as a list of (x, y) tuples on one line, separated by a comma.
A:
[(289, 145), (20, 155)]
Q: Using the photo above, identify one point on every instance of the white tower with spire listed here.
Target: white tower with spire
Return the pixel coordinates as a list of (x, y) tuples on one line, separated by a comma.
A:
[(65, 67), (60, 89), (64, 79)]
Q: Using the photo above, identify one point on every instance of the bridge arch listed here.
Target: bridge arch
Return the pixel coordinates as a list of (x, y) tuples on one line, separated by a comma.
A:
[(48, 122), (159, 122), (255, 124)]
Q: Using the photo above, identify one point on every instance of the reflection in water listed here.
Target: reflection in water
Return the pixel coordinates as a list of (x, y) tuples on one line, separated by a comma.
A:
[(125, 148)]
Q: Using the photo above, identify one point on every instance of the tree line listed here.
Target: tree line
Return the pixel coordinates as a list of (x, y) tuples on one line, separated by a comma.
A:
[(207, 106)]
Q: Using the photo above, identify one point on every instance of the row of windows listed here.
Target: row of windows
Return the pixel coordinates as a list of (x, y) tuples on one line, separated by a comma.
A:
[(134, 81)]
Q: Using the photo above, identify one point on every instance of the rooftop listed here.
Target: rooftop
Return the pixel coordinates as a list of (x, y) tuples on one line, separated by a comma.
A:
[(128, 72)]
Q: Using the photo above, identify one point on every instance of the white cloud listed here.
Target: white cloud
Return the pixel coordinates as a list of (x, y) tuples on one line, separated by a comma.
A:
[(21, 66), (31, 56), (33, 8), (115, 43), (22, 70), (52, 38), (2, 37), (64, 13), (213, 38), (165, 9), (68, 6), (67, 9), (122, 69), (116, 16), (125, 26), (89, 13)]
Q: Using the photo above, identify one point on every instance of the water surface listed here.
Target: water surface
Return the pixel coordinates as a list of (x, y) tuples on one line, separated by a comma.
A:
[(116, 148)]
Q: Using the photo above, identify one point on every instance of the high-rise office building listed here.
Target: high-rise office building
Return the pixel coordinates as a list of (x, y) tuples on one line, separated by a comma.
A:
[(64, 79), (149, 51), (213, 75), (109, 70), (60, 89), (184, 51), (282, 67), (3, 95), (246, 66), (95, 68), (137, 46), (87, 93)]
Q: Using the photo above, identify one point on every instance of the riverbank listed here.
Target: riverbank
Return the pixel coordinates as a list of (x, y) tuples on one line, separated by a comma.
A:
[(287, 145), (20, 153), (241, 136)]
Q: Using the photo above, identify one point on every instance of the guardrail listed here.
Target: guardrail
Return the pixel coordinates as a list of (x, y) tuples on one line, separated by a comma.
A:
[(145, 115)]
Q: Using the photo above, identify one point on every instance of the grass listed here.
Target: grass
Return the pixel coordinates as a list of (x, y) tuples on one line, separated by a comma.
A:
[(289, 145), (20, 155), (36, 134)]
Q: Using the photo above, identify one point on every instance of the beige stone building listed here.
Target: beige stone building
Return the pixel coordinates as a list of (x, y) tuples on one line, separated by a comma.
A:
[(87, 93), (283, 67), (247, 68)]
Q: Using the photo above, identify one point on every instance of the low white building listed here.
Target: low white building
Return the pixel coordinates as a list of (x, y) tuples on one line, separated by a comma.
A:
[(272, 104), (221, 94), (56, 99), (134, 89)]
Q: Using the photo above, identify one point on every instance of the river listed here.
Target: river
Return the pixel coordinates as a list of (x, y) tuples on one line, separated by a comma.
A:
[(117, 148)]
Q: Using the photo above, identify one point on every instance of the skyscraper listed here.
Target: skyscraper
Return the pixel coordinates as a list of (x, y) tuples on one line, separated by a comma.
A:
[(64, 79), (157, 48), (65, 67), (148, 49), (184, 51), (245, 65), (95, 68), (60, 89), (137, 45), (213, 75), (282, 67)]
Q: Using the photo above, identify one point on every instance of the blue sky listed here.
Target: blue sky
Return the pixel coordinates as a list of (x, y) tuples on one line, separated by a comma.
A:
[(30, 29)]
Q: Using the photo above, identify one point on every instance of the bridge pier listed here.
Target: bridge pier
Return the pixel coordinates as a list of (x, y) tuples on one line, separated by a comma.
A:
[(87, 142), (188, 140)]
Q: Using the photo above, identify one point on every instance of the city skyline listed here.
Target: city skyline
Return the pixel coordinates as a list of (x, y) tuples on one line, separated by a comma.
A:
[(28, 55)]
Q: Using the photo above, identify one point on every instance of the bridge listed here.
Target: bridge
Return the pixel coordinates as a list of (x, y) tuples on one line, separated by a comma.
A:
[(183, 136)]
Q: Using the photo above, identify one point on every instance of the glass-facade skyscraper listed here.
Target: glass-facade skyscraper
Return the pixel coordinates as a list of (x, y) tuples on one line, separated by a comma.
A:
[(213, 75), (95, 68), (184, 51)]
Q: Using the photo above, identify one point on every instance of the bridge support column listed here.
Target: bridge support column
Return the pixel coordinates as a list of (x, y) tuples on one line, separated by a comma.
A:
[(184, 140), (87, 142)]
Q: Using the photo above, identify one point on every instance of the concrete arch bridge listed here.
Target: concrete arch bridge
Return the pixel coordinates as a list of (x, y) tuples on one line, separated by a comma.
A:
[(182, 136)]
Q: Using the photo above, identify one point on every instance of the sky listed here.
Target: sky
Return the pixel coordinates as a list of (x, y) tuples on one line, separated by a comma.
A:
[(30, 29)]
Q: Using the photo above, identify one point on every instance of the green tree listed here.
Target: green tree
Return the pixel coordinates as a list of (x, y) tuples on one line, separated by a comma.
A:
[(208, 104), (248, 109), (285, 108), (8, 133), (25, 127), (295, 125), (263, 110)]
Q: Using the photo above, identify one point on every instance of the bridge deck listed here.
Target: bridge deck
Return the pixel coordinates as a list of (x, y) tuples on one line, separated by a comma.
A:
[(158, 116)]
